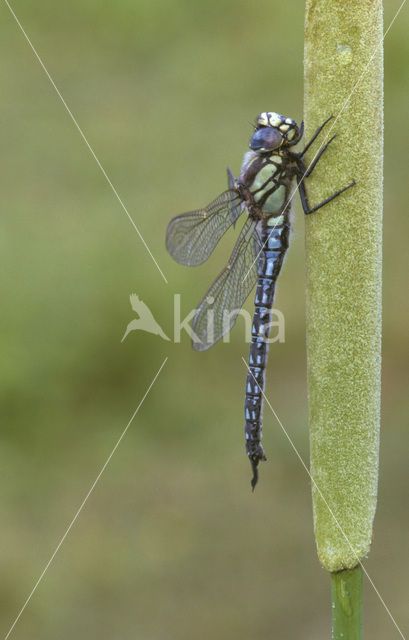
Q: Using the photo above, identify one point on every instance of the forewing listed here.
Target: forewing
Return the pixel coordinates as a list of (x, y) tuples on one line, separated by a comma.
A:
[(192, 236), (219, 308)]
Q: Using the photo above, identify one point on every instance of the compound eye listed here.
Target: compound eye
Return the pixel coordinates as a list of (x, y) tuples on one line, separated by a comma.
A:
[(266, 138)]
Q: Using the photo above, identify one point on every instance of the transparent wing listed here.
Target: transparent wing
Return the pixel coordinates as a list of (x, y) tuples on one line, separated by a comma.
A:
[(192, 236), (219, 308)]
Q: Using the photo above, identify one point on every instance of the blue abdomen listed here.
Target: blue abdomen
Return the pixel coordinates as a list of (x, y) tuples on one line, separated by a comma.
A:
[(274, 240)]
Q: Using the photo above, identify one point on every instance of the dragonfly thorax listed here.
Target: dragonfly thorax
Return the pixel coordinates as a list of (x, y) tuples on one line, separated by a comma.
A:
[(265, 182), (267, 190)]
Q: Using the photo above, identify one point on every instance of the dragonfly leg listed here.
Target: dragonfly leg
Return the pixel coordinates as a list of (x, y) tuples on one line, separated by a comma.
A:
[(298, 138), (304, 198), (318, 131), (311, 167)]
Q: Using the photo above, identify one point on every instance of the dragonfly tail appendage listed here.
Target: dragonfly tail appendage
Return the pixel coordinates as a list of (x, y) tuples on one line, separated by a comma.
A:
[(254, 479), (255, 459)]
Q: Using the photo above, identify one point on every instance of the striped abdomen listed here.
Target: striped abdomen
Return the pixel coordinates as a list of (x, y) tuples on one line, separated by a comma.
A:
[(275, 244)]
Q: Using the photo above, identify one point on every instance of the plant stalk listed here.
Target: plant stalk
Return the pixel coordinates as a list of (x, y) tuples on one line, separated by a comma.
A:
[(343, 76), (346, 592), (343, 62)]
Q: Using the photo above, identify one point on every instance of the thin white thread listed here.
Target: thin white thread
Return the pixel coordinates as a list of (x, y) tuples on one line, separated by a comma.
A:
[(83, 502), (324, 500), (85, 140)]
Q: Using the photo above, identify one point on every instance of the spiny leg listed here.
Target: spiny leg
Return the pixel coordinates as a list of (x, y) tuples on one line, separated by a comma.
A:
[(318, 131), (298, 138), (311, 167), (304, 200)]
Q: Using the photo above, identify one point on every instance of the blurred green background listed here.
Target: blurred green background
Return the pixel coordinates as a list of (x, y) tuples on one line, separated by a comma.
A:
[(171, 544)]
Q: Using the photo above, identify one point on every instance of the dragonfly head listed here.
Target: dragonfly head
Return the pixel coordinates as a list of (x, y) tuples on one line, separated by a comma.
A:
[(273, 131)]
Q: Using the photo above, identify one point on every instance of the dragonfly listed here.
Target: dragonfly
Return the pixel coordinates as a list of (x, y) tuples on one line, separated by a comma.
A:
[(271, 172)]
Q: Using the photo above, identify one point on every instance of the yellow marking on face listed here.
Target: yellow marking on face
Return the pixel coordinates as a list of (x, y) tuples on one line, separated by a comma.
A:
[(275, 119), (263, 119), (284, 127), (289, 121), (291, 134)]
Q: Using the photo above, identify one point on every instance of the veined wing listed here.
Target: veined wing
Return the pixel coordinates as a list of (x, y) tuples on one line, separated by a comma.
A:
[(220, 306), (192, 236)]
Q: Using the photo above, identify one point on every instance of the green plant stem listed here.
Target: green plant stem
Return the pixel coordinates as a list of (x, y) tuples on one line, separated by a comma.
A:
[(346, 592)]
